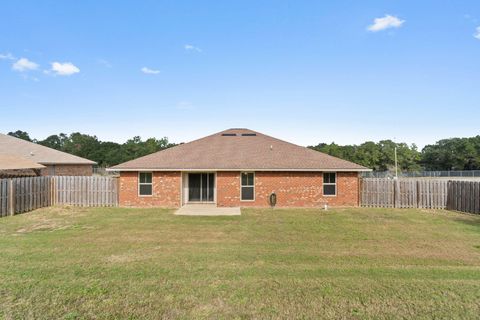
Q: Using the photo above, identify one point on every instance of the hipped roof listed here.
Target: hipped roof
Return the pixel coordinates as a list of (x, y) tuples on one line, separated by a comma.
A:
[(239, 149)]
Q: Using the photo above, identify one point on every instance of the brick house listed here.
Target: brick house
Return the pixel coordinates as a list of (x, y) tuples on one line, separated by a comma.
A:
[(239, 168), (54, 162), (14, 166)]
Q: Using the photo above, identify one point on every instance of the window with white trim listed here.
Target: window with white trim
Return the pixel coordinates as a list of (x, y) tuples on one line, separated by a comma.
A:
[(329, 183), (145, 185), (247, 189)]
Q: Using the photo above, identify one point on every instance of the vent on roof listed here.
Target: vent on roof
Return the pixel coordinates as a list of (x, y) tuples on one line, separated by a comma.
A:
[(249, 134), (229, 134)]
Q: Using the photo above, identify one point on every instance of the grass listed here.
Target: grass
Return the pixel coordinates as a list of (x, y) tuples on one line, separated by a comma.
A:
[(110, 263)]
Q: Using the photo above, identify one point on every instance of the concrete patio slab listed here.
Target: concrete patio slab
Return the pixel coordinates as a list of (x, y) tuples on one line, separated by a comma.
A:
[(207, 210)]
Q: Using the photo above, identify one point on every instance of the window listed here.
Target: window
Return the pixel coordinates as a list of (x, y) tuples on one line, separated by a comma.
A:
[(145, 187), (329, 184), (247, 192)]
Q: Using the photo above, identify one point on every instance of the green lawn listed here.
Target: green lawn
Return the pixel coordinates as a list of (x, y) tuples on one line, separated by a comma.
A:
[(110, 263)]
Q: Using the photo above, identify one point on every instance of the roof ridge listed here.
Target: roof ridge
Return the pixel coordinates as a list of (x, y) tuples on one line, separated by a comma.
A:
[(216, 152), (309, 150)]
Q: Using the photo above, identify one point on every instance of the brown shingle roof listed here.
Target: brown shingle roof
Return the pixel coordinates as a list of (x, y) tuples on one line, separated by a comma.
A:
[(6, 174), (37, 153), (239, 149), (12, 162)]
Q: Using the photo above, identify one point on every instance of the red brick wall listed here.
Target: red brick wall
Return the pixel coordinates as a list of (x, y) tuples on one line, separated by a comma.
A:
[(293, 189), (166, 190), (67, 170)]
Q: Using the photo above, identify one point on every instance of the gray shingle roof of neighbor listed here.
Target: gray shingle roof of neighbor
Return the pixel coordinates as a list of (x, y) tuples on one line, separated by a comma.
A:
[(239, 149), (12, 162), (37, 153)]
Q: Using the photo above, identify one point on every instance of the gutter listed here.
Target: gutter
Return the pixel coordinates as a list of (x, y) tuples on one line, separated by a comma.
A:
[(236, 169), (68, 163)]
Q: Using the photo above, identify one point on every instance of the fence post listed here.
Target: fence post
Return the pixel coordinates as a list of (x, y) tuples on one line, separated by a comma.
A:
[(396, 193), (11, 196), (448, 205), (418, 193), (118, 191), (52, 190)]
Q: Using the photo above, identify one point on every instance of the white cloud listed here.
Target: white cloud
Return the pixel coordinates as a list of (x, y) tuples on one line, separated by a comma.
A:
[(6, 56), (386, 22), (64, 68), (470, 18), (190, 47), (27, 77), (149, 71), (477, 33), (104, 63), (23, 64)]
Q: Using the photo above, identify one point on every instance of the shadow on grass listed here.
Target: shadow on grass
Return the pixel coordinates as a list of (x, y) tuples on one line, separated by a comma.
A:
[(469, 219)]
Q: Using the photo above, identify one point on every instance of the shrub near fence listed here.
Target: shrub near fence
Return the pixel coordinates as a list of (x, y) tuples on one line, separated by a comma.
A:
[(20, 195)]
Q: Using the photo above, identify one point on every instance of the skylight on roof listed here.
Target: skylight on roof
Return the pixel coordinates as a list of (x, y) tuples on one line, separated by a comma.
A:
[(249, 134), (229, 134)]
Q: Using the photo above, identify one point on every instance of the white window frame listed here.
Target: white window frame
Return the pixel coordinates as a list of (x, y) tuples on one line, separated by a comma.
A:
[(144, 183), (241, 187), (329, 184)]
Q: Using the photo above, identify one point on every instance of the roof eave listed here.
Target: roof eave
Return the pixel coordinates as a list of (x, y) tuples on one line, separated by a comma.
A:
[(22, 167), (68, 163), (242, 169)]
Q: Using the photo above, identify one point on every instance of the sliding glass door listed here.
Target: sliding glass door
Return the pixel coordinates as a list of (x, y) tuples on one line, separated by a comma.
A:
[(201, 187)]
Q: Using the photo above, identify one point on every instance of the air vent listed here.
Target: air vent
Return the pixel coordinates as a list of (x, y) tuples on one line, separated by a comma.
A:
[(229, 134), (249, 134)]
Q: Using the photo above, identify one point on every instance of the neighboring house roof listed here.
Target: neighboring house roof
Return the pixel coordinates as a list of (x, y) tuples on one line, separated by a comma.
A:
[(6, 174), (37, 153), (239, 149), (12, 162)]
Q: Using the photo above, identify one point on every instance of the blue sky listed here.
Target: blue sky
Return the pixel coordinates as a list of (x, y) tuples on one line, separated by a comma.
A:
[(304, 71)]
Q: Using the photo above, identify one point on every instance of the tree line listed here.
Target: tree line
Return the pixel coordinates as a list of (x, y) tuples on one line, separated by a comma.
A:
[(105, 153), (446, 154)]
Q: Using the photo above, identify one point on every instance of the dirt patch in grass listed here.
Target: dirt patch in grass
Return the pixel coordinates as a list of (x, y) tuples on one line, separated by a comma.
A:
[(46, 226), (133, 255), (49, 219)]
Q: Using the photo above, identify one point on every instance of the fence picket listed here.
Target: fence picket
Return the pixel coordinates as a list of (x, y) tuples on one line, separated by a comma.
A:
[(36, 192), (3, 197), (421, 193)]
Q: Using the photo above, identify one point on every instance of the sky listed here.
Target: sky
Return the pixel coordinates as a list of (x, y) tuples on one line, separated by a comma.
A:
[(303, 71)]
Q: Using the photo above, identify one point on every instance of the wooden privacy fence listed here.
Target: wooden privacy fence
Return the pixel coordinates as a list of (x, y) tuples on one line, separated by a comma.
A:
[(4, 197), (464, 196), (31, 193), (86, 191), (20, 195), (421, 193), (404, 193)]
